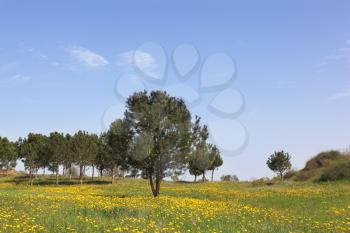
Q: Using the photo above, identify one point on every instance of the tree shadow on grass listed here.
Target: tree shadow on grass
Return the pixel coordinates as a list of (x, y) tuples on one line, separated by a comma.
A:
[(51, 180)]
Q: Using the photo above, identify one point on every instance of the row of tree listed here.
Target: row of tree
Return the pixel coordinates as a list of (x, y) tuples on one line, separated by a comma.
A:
[(156, 138)]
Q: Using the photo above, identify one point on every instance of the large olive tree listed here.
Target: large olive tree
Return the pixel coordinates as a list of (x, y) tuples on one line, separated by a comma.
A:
[(161, 129)]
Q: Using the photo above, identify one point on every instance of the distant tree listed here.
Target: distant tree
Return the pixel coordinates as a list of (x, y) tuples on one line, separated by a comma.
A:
[(44, 155), (118, 138), (57, 150), (200, 158), (215, 159), (85, 149), (31, 151), (161, 127), (68, 156), (103, 157), (8, 154), (193, 170), (279, 162), (95, 140)]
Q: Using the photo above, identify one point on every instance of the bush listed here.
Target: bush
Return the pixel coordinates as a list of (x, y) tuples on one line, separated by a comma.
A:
[(231, 178), (262, 181), (337, 171), (304, 175)]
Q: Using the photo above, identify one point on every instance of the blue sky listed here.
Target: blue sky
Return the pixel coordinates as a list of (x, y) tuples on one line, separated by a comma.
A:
[(67, 66)]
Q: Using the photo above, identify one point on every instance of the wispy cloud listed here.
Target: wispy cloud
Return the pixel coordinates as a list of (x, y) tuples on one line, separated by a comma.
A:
[(340, 55), (14, 80), (88, 57), (345, 93), (143, 60), (37, 54), (7, 67), (19, 77)]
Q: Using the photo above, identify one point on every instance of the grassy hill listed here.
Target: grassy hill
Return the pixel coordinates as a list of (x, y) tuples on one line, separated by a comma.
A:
[(326, 166)]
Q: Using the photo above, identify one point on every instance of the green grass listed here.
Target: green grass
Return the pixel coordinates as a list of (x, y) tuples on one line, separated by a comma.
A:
[(128, 206)]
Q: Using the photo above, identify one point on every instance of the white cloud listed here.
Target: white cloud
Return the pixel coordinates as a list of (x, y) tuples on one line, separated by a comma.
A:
[(88, 57), (143, 60)]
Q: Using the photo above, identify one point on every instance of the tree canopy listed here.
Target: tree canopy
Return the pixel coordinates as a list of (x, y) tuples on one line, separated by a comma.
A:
[(279, 162)]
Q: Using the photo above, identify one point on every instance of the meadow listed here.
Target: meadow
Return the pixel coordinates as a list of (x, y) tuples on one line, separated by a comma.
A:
[(128, 206)]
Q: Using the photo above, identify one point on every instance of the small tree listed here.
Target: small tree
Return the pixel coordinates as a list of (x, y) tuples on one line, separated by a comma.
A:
[(31, 150), (102, 160), (201, 158), (57, 149), (8, 154), (279, 162), (85, 148), (215, 159), (118, 140), (68, 156)]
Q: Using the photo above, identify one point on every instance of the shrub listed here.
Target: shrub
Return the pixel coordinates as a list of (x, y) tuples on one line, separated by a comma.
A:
[(231, 178), (262, 181), (304, 175), (337, 171)]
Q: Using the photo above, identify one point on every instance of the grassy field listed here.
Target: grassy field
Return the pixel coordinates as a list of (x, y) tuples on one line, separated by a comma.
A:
[(128, 206)]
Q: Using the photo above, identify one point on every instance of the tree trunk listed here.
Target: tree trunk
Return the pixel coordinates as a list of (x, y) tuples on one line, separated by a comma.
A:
[(203, 178), (281, 175), (44, 171), (212, 175), (70, 172), (57, 176), (81, 174), (30, 176), (101, 171), (123, 173), (93, 172), (155, 189), (195, 178), (113, 174)]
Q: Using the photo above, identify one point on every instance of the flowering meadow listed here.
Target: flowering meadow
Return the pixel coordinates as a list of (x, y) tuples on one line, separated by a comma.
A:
[(128, 206)]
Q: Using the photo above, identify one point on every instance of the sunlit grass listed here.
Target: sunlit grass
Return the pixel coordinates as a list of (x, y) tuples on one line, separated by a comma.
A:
[(128, 206)]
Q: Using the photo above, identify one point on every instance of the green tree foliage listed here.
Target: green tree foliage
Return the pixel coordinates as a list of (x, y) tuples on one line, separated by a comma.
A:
[(118, 138), (68, 156), (279, 162), (161, 128), (204, 156), (32, 149), (85, 148), (215, 159), (102, 160), (57, 147), (8, 154)]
